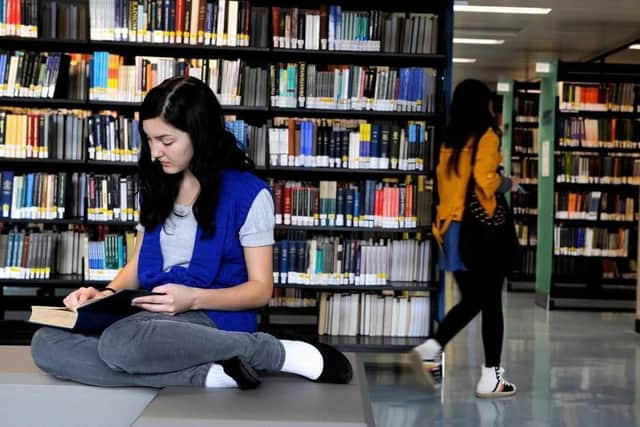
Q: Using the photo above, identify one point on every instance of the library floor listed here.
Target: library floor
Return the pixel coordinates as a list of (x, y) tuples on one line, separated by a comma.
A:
[(571, 368)]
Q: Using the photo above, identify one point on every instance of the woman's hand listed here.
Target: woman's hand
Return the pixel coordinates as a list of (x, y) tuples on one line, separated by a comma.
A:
[(82, 295), (176, 299)]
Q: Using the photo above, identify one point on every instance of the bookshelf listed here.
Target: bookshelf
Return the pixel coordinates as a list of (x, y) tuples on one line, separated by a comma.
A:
[(588, 186), (520, 158), (112, 34)]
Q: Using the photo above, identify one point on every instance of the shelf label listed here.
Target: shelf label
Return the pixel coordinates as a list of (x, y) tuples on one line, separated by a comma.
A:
[(546, 145), (543, 67), (503, 87)]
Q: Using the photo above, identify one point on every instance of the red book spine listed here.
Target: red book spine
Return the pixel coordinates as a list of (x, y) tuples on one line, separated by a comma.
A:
[(179, 20), (286, 208), (277, 196), (275, 25)]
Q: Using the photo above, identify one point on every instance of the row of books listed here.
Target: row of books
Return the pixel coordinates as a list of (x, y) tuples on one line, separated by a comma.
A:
[(590, 168), (611, 269), (113, 136), (525, 141), (112, 197), (527, 233), (66, 195), (527, 262), (39, 254), (595, 205), (19, 18), (233, 82), (618, 97), (599, 133), (525, 203), (293, 297), (332, 28), (526, 109), (351, 144), (106, 257), (353, 87), (337, 261), (386, 203), (373, 315), (36, 195), (35, 74), (62, 19), (43, 134), (591, 241), (195, 22), (526, 169)]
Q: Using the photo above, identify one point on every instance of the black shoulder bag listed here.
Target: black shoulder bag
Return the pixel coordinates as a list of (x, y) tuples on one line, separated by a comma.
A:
[(487, 243)]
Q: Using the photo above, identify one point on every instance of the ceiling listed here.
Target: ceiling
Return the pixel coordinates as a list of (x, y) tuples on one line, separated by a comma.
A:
[(575, 30)]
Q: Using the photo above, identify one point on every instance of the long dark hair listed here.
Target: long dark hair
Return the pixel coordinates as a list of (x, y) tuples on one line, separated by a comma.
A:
[(470, 117), (189, 105)]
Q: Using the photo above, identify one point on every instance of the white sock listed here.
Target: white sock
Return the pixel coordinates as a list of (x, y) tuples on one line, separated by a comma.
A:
[(302, 358), (429, 349), (218, 378)]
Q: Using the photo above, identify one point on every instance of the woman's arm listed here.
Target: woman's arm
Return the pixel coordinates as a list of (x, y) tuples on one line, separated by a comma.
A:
[(256, 292), (485, 172), (127, 278)]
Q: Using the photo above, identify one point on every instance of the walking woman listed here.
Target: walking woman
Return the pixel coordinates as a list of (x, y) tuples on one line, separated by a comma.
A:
[(471, 130), (205, 243)]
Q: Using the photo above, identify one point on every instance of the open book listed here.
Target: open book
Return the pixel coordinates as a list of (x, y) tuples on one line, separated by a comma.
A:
[(92, 316)]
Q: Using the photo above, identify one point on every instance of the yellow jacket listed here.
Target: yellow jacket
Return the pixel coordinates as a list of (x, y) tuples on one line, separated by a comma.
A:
[(452, 187)]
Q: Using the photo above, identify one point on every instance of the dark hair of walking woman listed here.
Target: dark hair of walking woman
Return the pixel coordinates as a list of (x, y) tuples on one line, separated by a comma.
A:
[(189, 105), (470, 116)]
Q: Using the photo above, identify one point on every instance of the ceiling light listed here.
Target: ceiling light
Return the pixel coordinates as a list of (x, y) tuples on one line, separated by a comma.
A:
[(464, 60), (461, 40), (635, 46), (501, 9)]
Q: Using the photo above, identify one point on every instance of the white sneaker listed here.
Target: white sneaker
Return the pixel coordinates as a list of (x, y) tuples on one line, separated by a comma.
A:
[(493, 384), (427, 361)]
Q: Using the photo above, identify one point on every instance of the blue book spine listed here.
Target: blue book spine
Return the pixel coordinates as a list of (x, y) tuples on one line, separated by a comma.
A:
[(7, 191), (28, 203), (284, 260)]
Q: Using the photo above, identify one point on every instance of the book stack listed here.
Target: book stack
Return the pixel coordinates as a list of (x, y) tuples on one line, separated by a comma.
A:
[(616, 97), (591, 168), (332, 28), (591, 241), (611, 133), (373, 315), (595, 205), (43, 75), (352, 87), (337, 261), (43, 133), (366, 204), (112, 197), (352, 144), (19, 18), (194, 22), (112, 80), (39, 195)]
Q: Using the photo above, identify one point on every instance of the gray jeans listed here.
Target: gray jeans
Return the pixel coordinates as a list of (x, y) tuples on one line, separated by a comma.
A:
[(152, 350)]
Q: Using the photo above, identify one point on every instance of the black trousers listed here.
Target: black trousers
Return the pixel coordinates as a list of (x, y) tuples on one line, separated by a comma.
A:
[(480, 292)]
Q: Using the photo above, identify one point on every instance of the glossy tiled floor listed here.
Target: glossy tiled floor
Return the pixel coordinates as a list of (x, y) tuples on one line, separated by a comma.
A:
[(572, 368)]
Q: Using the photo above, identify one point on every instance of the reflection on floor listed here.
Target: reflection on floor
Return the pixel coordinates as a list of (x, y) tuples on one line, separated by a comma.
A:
[(575, 369)]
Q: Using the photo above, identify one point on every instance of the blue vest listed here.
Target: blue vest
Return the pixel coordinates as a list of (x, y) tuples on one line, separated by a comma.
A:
[(217, 261)]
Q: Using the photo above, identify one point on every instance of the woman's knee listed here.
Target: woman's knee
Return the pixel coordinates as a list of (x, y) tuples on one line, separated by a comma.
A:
[(47, 347), (120, 345)]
